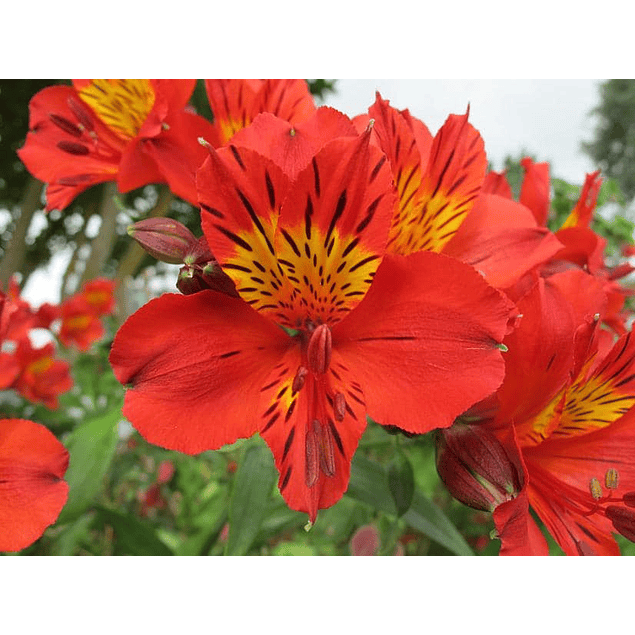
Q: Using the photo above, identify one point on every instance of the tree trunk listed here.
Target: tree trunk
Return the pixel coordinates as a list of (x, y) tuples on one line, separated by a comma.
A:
[(15, 252)]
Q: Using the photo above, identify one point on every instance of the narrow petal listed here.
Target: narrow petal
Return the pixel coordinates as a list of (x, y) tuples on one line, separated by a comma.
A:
[(517, 530), (497, 183), (582, 213), (423, 344), (195, 366), (534, 192), (32, 490), (313, 427)]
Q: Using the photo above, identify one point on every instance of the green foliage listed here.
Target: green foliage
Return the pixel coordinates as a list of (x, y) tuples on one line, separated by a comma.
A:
[(613, 145)]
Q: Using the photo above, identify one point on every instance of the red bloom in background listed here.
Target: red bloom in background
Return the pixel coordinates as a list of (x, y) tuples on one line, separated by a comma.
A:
[(79, 326), (42, 377), (32, 490), (99, 296), (235, 103), (362, 332), (132, 131), (443, 206)]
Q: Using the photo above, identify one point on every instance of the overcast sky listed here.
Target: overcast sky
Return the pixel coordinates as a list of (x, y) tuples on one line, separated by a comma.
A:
[(548, 118)]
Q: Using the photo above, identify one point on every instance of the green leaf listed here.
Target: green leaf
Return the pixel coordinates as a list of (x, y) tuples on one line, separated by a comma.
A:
[(251, 496), (369, 484), (92, 447), (132, 537), (401, 482)]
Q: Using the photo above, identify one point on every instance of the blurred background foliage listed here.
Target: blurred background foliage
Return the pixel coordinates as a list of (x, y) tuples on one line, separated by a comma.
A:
[(128, 497)]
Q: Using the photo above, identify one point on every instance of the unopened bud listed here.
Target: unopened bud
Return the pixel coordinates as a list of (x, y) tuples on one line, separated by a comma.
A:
[(319, 350), (164, 238), (623, 521), (475, 467), (611, 478)]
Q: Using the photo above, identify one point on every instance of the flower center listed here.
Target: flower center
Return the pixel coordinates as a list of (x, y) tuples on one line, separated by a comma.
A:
[(122, 104)]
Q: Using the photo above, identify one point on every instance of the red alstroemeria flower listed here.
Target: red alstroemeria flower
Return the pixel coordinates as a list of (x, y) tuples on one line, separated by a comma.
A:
[(132, 131), (79, 327), (442, 205), (42, 377), (32, 490), (235, 103), (99, 296), (569, 393), (412, 341)]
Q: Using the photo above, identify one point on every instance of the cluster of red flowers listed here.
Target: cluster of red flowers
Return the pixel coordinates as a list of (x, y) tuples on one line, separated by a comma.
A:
[(363, 267), (32, 461)]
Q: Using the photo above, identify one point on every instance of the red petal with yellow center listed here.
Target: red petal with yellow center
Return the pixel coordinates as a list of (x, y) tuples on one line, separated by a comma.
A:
[(195, 365), (32, 493), (332, 230), (500, 238), (602, 393), (542, 351), (452, 179), (397, 139), (240, 195), (317, 261), (292, 146), (423, 344), (534, 192), (313, 426)]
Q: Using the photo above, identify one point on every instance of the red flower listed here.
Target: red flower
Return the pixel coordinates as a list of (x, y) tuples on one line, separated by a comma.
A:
[(132, 131), (444, 203), (99, 296), (361, 332), (569, 393), (79, 326), (42, 377), (32, 490), (235, 103)]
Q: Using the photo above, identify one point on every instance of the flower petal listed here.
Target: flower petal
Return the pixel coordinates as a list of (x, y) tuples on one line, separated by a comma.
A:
[(423, 344), (32, 493), (195, 365), (313, 427)]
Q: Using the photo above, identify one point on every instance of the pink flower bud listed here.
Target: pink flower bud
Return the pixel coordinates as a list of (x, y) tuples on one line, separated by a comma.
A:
[(164, 238), (475, 467)]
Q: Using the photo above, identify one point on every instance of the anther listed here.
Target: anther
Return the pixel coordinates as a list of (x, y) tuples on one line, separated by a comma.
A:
[(298, 380), (319, 350), (80, 112), (611, 478), (312, 461), (339, 406), (327, 453), (65, 125), (595, 488), (71, 147)]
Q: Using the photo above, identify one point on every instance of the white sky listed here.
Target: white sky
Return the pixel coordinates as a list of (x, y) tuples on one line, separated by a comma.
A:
[(549, 118)]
